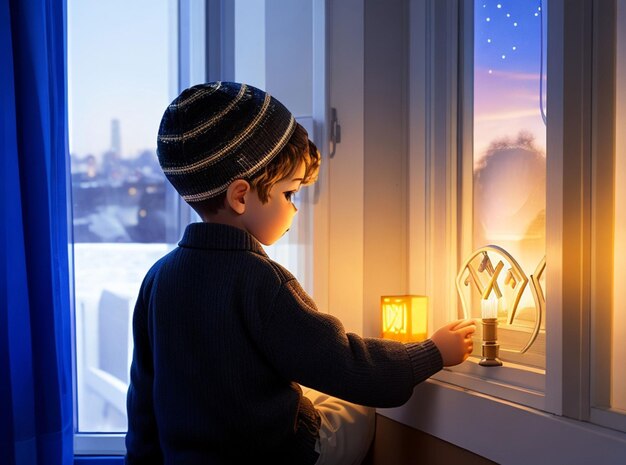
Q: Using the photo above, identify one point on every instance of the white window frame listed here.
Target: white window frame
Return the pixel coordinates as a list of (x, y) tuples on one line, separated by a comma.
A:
[(448, 166), (206, 53), (603, 199), (442, 164)]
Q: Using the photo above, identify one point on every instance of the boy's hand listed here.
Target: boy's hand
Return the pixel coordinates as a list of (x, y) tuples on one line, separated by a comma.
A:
[(454, 341)]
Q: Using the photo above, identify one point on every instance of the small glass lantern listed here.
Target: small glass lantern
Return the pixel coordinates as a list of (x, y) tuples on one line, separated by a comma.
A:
[(404, 317)]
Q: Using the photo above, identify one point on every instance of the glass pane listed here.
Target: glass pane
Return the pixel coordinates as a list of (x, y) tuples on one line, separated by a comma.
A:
[(283, 68), (120, 79), (510, 165), (618, 370)]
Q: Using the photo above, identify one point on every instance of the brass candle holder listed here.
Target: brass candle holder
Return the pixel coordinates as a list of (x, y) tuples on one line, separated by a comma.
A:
[(490, 343), (489, 313), (479, 273)]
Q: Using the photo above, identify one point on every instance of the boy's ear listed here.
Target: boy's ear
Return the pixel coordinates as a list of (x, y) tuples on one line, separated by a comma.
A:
[(236, 193)]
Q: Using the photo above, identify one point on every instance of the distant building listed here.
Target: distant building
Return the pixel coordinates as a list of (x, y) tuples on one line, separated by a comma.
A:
[(116, 137)]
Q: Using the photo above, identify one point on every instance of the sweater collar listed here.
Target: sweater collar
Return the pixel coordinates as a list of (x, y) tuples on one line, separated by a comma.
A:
[(215, 236)]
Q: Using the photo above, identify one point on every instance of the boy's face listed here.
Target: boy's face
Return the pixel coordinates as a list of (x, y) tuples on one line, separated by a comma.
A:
[(267, 222)]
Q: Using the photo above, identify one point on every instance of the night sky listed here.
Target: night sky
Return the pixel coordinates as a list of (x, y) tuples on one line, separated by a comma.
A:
[(507, 58), (507, 35)]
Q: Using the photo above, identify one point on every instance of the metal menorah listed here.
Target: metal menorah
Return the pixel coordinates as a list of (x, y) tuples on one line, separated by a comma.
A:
[(489, 281)]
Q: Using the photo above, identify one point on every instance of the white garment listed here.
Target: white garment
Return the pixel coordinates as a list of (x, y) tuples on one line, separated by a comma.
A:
[(346, 431)]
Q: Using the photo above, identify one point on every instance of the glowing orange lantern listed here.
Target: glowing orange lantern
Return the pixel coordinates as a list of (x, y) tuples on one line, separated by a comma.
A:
[(404, 317)]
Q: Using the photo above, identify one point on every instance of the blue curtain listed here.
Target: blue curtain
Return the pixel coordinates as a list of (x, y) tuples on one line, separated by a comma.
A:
[(35, 326)]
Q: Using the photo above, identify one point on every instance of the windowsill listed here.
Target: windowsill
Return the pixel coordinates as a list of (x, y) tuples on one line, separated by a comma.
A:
[(512, 382), (99, 444), (472, 420), (503, 431), (99, 460)]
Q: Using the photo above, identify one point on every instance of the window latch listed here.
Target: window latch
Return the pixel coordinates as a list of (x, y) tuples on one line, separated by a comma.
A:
[(335, 132)]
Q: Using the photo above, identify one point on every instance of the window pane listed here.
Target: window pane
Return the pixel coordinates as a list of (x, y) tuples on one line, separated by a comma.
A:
[(121, 75), (618, 378), (510, 163), (283, 67)]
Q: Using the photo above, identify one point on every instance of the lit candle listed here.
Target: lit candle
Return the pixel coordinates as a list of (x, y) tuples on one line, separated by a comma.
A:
[(489, 308)]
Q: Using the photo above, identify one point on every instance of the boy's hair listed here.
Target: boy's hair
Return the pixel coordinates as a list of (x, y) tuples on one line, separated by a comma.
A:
[(215, 133), (298, 150)]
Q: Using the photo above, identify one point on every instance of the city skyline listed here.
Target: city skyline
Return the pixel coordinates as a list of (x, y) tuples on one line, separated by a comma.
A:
[(115, 145), (119, 67)]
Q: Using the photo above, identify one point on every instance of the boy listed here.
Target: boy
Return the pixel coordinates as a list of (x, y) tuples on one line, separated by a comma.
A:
[(226, 339)]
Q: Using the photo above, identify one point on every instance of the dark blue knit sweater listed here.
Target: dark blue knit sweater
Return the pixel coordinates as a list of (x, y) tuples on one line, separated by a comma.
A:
[(223, 338)]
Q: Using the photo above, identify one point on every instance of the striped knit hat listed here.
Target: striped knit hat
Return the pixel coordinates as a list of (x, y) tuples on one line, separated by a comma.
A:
[(214, 133)]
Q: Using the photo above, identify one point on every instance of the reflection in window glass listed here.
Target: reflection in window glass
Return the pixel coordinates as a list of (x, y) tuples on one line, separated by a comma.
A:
[(509, 152), (119, 82), (618, 370)]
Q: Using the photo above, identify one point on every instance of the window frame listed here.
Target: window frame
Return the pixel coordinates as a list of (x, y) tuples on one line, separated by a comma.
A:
[(445, 88), (206, 53), (577, 305), (579, 302), (603, 204)]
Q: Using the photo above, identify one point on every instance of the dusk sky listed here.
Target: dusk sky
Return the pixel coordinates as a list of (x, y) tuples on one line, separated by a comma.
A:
[(118, 54), (509, 195), (507, 44), (118, 60)]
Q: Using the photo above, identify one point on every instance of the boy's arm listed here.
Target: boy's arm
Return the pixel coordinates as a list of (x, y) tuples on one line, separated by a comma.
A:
[(313, 348)]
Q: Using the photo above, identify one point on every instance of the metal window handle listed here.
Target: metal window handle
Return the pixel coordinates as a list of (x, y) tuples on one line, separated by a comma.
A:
[(335, 132)]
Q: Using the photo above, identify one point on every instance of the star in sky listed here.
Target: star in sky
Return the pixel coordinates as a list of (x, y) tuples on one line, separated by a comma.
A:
[(509, 60), (507, 34)]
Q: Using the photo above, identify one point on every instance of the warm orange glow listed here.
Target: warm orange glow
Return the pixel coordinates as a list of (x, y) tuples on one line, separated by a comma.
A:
[(404, 317)]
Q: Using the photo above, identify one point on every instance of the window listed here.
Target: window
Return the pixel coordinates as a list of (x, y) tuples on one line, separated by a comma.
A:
[(503, 194), (580, 121), (509, 168), (483, 171), (126, 62), (441, 110), (500, 184), (122, 74)]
